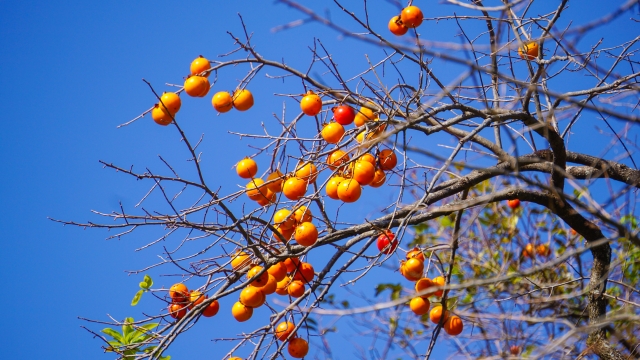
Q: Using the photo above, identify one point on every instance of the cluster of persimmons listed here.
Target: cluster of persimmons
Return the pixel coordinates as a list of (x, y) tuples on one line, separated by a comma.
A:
[(413, 270)]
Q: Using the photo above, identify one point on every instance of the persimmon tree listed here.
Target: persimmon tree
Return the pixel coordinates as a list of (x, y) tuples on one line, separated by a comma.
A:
[(435, 137)]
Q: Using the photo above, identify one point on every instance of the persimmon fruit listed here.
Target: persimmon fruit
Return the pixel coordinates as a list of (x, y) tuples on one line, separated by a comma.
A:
[(387, 242), (242, 100), (306, 234), (222, 101), (332, 132), (200, 64), (419, 305), (344, 114), (246, 168), (211, 309), (396, 26), (349, 190), (311, 104), (171, 101), (529, 51), (411, 16), (387, 159), (294, 188), (241, 312), (453, 325), (298, 348), (252, 296), (179, 293), (284, 329)]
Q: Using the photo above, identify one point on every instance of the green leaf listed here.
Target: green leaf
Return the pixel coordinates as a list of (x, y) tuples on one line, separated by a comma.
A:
[(114, 334), (137, 297), (142, 333), (148, 282), (127, 329)]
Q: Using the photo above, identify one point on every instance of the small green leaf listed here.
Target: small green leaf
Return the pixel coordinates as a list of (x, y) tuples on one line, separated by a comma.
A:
[(127, 329), (148, 281), (114, 334), (137, 297), (142, 333)]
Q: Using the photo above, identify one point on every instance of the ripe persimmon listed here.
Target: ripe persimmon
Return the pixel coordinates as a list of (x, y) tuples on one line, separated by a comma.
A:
[(286, 233), (311, 104), (222, 101), (368, 158), (415, 253), (436, 314), (298, 348), (177, 311), (304, 273), (306, 234), (387, 159), (252, 296), (171, 101), (307, 172), (397, 27), (275, 180), (284, 329), (365, 114), (302, 214), (284, 219), (260, 280), (195, 298), (268, 199), (240, 312), (411, 16), (419, 305), (439, 281), (271, 285), (337, 158), (242, 100), (453, 325), (179, 293), (406, 275), (332, 187), (294, 188), (422, 285), (514, 350), (543, 250), (281, 286), (387, 242), (343, 114), (197, 86), (291, 264), (332, 132), (200, 64), (235, 358), (529, 51), (211, 309), (160, 115), (364, 172), (295, 288), (246, 168), (349, 190), (513, 204), (240, 260), (278, 271), (529, 251), (413, 268), (256, 190)]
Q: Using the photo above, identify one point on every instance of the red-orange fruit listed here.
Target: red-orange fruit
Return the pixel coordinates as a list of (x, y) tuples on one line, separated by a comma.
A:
[(397, 27), (332, 187), (387, 159), (199, 65), (302, 214), (307, 172), (260, 280), (246, 168), (291, 264), (179, 293), (294, 188), (439, 281), (197, 86), (311, 104), (296, 288), (423, 284), (275, 181), (171, 101), (284, 329), (332, 132), (379, 179), (241, 312), (252, 296), (160, 115), (211, 309), (336, 159), (177, 311), (306, 234), (298, 348), (349, 190), (364, 172), (411, 16), (436, 314), (304, 273), (453, 326), (278, 271), (419, 305), (413, 268)]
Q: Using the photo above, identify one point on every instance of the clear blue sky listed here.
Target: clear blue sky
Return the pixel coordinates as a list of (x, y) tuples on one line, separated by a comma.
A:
[(70, 73)]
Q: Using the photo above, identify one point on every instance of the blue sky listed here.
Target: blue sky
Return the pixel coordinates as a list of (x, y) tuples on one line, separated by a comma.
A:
[(70, 73)]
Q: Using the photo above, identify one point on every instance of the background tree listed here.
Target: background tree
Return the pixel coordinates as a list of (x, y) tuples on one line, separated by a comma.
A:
[(497, 116)]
